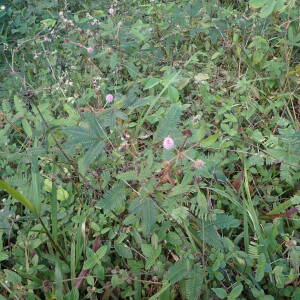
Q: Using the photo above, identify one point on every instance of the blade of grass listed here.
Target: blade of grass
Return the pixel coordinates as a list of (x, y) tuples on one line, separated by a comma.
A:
[(245, 224), (73, 262), (18, 196), (254, 219), (58, 281), (36, 190), (54, 211)]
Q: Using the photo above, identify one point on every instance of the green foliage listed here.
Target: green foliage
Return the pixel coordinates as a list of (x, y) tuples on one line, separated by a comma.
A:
[(93, 206)]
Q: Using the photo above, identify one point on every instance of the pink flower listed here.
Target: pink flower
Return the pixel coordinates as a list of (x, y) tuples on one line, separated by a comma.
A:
[(109, 98), (111, 11), (168, 143), (90, 50), (199, 163)]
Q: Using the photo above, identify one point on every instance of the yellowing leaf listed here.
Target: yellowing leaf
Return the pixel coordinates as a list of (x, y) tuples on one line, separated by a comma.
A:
[(61, 193), (201, 77)]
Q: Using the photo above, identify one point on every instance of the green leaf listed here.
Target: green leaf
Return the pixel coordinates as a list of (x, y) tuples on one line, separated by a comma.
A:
[(181, 189), (258, 56), (90, 156), (12, 277), (123, 251), (48, 22), (224, 221), (257, 3), (193, 285), (178, 271), (236, 291), (19, 105), (128, 176), (267, 9), (167, 125), (151, 82), (61, 193), (180, 213), (210, 236), (114, 197), (151, 254), (149, 215), (220, 292), (164, 288), (3, 256), (210, 140), (27, 127), (201, 77), (95, 258), (174, 239), (173, 93), (146, 210)]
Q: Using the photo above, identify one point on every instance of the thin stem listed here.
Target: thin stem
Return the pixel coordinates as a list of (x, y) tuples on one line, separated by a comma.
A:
[(55, 245)]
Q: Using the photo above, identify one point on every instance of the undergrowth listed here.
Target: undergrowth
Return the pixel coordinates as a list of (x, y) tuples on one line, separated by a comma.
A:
[(149, 149)]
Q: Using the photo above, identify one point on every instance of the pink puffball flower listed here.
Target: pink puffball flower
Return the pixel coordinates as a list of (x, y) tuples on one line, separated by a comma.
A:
[(199, 163), (90, 50), (168, 143), (109, 98)]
